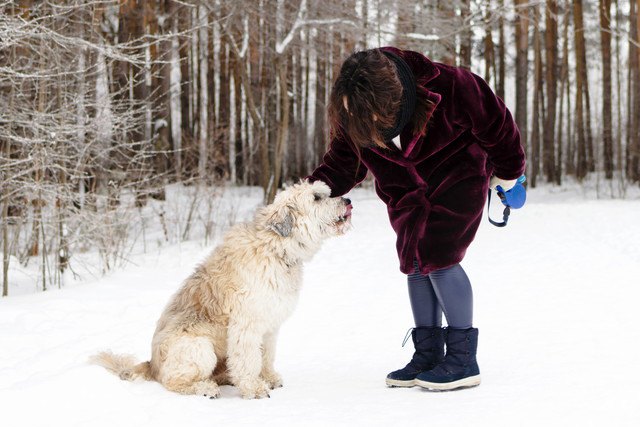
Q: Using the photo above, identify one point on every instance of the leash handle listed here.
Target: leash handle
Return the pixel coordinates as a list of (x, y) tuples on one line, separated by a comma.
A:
[(505, 213)]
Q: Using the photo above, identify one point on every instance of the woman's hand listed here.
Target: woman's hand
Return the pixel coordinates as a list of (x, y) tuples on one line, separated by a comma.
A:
[(505, 184)]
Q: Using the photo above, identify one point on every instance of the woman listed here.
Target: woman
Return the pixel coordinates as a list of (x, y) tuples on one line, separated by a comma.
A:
[(432, 135)]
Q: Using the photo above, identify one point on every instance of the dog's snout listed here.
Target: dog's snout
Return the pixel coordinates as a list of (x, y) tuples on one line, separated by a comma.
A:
[(346, 200)]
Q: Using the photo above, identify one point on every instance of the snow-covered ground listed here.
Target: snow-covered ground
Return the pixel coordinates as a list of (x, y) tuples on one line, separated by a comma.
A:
[(556, 302)]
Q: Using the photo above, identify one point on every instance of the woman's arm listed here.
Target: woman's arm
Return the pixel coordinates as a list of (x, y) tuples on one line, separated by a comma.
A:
[(341, 169), (491, 123)]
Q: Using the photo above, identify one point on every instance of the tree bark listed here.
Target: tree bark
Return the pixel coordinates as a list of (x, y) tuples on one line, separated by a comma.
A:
[(4, 197), (618, 137), (175, 91), (161, 90), (581, 75), (538, 103), (186, 75), (227, 64), (203, 109), (307, 155), (564, 87), (522, 67), (551, 50), (131, 82), (300, 101), (489, 48), (406, 25), (238, 140), (320, 111), (446, 11), (269, 100), (283, 125), (570, 164), (501, 53), (465, 36), (607, 125), (633, 127)]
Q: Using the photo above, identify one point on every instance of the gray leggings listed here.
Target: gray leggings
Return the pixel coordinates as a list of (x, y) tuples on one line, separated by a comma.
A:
[(447, 290)]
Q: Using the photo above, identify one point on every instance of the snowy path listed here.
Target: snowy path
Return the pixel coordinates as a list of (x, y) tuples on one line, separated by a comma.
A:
[(556, 303)]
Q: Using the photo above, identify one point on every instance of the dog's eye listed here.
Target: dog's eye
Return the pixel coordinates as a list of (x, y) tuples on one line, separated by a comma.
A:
[(316, 197)]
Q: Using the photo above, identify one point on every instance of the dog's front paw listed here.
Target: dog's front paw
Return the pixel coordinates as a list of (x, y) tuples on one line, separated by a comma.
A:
[(273, 379), (207, 388), (254, 389)]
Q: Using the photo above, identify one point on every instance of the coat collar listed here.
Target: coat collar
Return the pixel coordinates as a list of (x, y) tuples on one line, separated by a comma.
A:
[(423, 68)]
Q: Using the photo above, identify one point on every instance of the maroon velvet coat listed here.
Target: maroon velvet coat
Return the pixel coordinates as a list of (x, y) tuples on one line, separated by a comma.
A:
[(435, 188)]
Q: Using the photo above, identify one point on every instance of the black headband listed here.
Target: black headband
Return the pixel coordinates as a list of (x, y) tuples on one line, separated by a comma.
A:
[(408, 103)]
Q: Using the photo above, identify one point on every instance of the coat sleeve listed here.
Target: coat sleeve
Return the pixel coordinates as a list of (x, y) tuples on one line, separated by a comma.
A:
[(341, 168), (492, 124)]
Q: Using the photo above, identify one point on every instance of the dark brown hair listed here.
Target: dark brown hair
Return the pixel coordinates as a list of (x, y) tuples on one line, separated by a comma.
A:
[(370, 83)]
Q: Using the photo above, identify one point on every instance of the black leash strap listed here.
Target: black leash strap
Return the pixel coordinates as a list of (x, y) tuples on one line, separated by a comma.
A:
[(505, 213)]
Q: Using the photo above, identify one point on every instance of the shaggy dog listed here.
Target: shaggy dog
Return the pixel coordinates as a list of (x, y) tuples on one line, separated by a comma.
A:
[(221, 325)]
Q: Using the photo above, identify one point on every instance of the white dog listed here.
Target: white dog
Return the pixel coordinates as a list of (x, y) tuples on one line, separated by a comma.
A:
[(221, 325)]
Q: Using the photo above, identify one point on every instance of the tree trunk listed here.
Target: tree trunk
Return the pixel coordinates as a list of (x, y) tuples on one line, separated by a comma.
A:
[(581, 75), (446, 10), (501, 53), (618, 138), (633, 144), (217, 136), (564, 90), (203, 110), (365, 23), (320, 139), (283, 125), (239, 165), (465, 36), (185, 93), (268, 100), (132, 84), (237, 154), (227, 64), (571, 156), (255, 91), (522, 67), (307, 155), (4, 198), (405, 25), (300, 101), (607, 125), (538, 102), (489, 48), (551, 48), (161, 89), (175, 91)]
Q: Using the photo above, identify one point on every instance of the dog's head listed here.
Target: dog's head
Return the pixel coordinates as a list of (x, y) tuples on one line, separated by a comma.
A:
[(305, 212)]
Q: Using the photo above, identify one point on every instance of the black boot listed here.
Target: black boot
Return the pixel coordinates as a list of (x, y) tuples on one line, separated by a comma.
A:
[(460, 368), (429, 351)]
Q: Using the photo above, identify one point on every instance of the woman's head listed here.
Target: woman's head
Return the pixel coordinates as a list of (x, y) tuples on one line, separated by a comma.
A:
[(366, 98)]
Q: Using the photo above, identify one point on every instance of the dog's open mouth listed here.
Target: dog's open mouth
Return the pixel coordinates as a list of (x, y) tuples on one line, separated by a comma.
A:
[(345, 216)]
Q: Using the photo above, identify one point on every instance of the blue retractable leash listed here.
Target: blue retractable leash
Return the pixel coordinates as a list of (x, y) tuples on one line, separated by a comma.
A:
[(513, 198)]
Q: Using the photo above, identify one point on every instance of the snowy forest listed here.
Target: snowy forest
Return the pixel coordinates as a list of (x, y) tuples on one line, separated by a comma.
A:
[(107, 104)]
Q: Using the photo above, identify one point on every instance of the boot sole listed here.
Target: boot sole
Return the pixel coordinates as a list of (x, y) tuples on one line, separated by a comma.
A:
[(400, 383), (453, 385)]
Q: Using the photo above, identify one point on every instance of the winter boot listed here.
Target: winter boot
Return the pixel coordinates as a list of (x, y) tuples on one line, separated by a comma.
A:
[(460, 368), (429, 351)]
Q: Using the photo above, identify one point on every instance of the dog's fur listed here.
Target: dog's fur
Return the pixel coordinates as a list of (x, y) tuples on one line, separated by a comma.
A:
[(221, 325)]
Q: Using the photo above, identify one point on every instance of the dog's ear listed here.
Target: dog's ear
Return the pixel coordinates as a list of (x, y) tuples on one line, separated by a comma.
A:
[(281, 221)]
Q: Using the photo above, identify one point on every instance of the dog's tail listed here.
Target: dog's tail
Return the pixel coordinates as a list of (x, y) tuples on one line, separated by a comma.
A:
[(124, 366)]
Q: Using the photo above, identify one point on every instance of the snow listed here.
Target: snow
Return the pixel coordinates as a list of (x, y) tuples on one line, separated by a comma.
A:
[(556, 296)]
